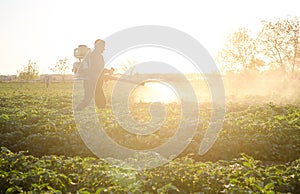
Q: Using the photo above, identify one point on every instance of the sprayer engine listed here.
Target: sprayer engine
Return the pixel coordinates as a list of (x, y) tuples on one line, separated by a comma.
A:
[(81, 51)]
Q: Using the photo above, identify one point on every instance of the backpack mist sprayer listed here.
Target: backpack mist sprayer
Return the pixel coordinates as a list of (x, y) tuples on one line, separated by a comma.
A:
[(80, 67), (80, 53)]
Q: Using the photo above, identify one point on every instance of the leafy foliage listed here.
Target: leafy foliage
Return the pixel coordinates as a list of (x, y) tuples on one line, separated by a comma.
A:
[(40, 120), (57, 174)]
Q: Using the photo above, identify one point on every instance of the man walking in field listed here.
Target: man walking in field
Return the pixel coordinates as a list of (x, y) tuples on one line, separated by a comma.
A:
[(92, 85)]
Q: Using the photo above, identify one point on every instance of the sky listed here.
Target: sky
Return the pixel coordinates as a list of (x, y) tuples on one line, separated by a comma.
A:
[(46, 31)]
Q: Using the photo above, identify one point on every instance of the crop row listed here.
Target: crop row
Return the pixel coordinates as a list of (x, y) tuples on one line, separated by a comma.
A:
[(56, 174)]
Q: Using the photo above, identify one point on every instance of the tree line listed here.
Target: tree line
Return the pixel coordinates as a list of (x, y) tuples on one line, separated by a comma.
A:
[(276, 46)]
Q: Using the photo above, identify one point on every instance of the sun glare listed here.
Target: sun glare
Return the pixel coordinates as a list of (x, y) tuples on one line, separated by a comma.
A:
[(154, 91)]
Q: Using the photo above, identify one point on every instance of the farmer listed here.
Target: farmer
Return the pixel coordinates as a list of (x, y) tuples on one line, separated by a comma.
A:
[(92, 85)]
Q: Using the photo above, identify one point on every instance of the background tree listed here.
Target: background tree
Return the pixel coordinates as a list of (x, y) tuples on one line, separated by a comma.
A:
[(61, 67), (239, 52), (279, 43), (29, 71)]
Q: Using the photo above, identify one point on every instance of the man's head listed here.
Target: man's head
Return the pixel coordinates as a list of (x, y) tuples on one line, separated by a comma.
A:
[(99, 45)]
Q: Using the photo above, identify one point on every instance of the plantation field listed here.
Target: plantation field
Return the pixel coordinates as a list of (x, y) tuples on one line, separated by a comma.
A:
[(258, 149)]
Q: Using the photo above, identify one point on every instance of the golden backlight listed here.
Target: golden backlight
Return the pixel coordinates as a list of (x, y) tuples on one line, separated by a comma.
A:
[(154, 91)]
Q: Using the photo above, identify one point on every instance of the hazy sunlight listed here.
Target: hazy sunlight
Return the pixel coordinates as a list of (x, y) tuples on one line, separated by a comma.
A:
[(154, 91)]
